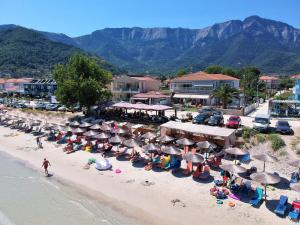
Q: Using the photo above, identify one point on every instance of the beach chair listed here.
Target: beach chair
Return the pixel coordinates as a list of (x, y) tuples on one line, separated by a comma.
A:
[(294, 178), (189, 169), (63, 140), (253, 169), (258, 197), (245, 158), (295, 211), (281, 206), (245, 188)]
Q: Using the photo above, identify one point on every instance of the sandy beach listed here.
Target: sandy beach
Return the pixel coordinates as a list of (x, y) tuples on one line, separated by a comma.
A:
[(127, 192)]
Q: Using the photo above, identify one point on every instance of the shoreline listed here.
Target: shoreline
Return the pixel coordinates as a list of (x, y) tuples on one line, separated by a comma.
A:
[(125, 193)]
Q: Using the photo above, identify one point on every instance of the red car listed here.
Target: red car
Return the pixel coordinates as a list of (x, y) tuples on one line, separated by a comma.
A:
[(233, 122)]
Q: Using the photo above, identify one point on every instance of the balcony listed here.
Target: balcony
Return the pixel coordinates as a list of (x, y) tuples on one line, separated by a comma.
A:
[(126, 90), (191, 91)]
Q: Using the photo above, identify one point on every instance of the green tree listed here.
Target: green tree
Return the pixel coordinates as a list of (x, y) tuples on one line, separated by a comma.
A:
[(225, 93), (81, 81), (249, 78), (214, 69), (181, 72), (228, 71), (286, 82)]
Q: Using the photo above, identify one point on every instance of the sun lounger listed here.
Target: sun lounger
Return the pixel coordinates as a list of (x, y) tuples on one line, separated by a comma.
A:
[(245, 158), (63, 140), (245, 188), (294, 178), (258, 197), (295, 211), (282, 205)]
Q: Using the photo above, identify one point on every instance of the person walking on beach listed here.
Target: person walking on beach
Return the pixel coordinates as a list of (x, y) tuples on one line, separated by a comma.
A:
[(39, 142), (46, 163)]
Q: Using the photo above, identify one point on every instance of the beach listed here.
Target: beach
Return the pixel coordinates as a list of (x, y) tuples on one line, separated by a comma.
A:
[(149, 197)]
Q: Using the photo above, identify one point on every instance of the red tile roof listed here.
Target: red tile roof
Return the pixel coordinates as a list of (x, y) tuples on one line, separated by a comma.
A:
[(266, 78), (150, 94), (203, 76), (145, 78), (20, 80), (296, 76)]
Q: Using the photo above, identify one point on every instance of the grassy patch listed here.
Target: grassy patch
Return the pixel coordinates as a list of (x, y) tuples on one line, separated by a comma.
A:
[(283, 153), (261, 138), (276, 142), (248, 133)]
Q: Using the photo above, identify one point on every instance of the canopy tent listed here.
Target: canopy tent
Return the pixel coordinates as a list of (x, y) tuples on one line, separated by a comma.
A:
[(227, 134)]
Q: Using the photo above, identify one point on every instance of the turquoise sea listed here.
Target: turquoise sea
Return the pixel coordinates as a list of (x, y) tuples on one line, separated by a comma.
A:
[(27, 197)]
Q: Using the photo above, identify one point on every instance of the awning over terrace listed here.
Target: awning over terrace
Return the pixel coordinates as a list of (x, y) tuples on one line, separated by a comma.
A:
[(227, 134), (190, 96), (126, 105)]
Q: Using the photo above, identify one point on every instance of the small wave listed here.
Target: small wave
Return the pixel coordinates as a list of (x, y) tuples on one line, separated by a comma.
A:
[(80, 206), (4, 220), (50, 183)]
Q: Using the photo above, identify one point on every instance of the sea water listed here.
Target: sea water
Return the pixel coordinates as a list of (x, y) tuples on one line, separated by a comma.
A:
[(27, 197)]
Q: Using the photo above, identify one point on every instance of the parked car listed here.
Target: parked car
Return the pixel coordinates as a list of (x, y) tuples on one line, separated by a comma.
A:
[(201, 118), (262, 123), (283, 127), (215, 120), (233, 122), (62, 109), (41, 106)]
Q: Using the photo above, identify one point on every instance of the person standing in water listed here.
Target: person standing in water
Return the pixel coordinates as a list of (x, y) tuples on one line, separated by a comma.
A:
[(46, 163)]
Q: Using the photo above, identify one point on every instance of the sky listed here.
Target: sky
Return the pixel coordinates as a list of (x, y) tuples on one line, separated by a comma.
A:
[(79, 17)]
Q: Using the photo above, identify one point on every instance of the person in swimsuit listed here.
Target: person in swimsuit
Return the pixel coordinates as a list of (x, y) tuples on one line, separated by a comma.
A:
[(46, 163)]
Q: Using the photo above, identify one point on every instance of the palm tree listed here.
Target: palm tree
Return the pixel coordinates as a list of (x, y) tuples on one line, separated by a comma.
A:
[(225, 93)]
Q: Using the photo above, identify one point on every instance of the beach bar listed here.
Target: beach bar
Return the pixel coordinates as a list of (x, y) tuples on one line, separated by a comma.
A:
[(208, 132)]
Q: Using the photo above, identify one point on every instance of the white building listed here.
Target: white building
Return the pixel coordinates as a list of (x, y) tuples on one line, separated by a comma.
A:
[(124, 87), (197, 87)]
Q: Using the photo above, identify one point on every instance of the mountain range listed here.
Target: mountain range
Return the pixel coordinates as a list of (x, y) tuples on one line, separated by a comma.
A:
[(272, 46)]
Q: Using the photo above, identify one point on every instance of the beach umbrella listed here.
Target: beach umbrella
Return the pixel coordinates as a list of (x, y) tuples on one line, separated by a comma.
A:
[(265, 178), (265, 158), (151, 148), (102, 136), (149, 135), (90, 133), (69, 129), (95, 127), (85, 125), (171, 150), (295, 164), (74, 124), (194, 158), (235, 151), (78, 130), (185, 142), (206, 145), (165, 139), (118, 131), (295, 187), (130, 143), (105, 127), (232, 168), (115, 139)]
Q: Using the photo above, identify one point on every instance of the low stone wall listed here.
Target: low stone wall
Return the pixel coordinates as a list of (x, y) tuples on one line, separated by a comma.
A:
[(236, 112)]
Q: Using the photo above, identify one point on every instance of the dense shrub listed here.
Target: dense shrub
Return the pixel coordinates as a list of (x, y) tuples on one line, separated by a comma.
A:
[(276, 142), (248, 133), (261, 138)]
